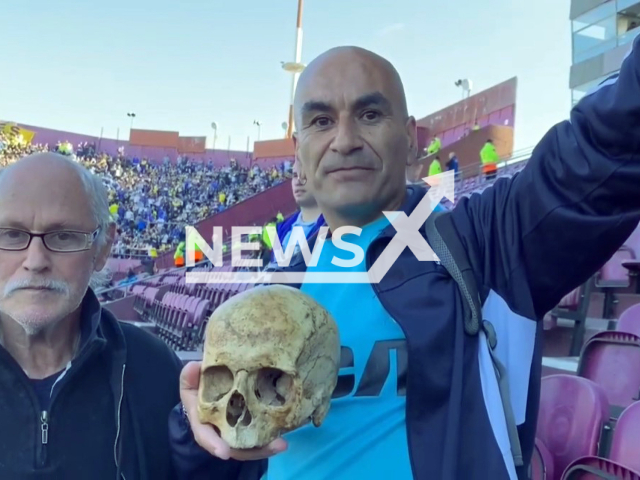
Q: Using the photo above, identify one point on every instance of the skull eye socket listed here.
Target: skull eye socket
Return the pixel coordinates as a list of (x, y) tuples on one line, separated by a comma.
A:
[(218, 381), (273, 387)]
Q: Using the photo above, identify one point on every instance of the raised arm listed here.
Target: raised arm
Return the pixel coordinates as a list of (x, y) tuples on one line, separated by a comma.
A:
[(536, 237)]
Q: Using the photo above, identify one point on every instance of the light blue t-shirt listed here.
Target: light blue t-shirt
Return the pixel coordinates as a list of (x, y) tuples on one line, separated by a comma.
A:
[(364, 435)]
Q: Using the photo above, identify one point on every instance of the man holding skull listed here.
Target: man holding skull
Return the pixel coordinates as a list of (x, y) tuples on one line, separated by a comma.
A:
[(417, 397)]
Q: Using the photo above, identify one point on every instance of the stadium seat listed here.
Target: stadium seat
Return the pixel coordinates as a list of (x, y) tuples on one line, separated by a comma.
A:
[(613, 276), (625, 444), (574, 306), (629, 321), (572, 413), (624, 455), (595, 468), (612, 360), (541, 462), (200, 320)]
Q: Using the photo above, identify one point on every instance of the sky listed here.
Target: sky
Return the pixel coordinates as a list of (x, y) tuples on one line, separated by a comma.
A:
[(81, 65)]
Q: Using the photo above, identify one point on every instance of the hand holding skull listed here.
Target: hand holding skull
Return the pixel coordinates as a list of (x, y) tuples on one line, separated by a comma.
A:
[(270, 365), (205, 434)]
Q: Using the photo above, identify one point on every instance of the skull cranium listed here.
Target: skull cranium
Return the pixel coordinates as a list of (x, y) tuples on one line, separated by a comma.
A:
[(270, 365)]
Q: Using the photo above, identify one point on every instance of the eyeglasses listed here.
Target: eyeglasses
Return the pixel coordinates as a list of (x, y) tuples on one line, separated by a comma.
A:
[(61, 242)]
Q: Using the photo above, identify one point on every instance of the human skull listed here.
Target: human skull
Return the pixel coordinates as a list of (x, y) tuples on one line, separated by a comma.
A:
[(271, 360)]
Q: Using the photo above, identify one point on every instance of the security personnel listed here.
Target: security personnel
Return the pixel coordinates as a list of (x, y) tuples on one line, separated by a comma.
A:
[(490, 159), (178, 257)]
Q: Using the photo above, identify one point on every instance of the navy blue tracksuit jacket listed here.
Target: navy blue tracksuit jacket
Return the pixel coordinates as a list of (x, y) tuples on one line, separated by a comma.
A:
[(531, 240)]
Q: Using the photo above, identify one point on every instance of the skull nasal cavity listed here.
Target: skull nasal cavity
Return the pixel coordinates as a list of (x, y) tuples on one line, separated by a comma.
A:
[(235, 409), (218, 381), (273, 386)]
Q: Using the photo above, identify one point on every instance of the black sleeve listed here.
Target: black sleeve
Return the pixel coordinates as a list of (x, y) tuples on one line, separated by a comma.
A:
[(551, 227), (191, 462)]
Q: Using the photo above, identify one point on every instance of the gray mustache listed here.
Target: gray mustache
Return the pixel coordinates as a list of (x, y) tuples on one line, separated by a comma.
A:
[(56, 285)]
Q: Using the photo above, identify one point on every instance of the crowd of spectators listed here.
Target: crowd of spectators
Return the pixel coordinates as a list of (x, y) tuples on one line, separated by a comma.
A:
[(153, 201)]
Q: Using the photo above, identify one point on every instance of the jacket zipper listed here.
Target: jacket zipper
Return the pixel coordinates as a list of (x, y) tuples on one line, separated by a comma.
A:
[(45, 418), (44, 438), (115, 445)]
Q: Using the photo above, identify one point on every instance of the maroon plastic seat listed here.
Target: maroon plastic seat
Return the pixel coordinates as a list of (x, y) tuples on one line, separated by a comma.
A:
[(220, 294), (172, 310), (613, 274), (595, 468), (234, 289), (625, 444), (571, 416), (154, 311), (633, 266), (161, 312), (158, 313), (612, 360), (612, 277), (200, 320), (193, 307), (573, 306), (541, 462), (200, 290), (178, 286), (212, 291), (189, 288), (186, 316), (179, 307), (150, 295), (629, 321)]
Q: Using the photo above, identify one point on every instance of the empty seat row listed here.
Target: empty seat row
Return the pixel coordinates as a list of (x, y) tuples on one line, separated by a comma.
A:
[(611, 359), (182, 319), (160, 280), (181, 286), (571, 438), (177, 316), (122, 264), (218, 293), (144, 298)]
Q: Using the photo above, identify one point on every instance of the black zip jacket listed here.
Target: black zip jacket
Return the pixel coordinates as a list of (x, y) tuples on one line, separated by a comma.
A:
[(108, 413)]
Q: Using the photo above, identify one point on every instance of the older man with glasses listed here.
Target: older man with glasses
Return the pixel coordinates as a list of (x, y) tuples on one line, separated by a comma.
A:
[(83, 395)]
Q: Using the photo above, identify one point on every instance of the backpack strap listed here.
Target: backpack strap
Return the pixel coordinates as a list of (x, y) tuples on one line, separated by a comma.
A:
[(453, 256)]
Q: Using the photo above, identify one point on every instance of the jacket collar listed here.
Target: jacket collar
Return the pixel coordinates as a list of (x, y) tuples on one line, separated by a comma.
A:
[(412, 198), (101, 327)]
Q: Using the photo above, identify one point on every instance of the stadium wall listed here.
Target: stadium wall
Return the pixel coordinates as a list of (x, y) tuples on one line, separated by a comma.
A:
[(153, 153), (468, 150), (267, 153), (253, 211), (494, 106)]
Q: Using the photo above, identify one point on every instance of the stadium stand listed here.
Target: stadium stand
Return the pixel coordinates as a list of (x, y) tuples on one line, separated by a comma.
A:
[(154, 199), (589, 419)]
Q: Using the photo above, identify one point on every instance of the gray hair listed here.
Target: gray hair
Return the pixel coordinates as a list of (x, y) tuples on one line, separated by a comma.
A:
[(99, 199), (97, 194)]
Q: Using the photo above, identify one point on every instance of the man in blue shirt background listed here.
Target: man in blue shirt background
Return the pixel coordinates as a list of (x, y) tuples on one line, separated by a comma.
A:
[(309, 217)]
